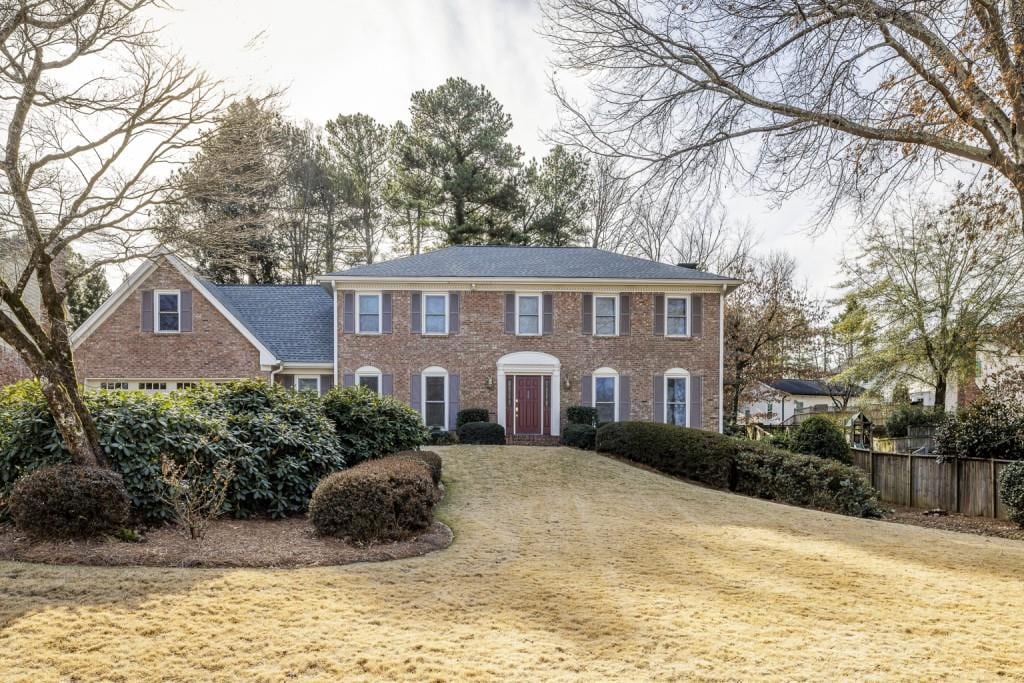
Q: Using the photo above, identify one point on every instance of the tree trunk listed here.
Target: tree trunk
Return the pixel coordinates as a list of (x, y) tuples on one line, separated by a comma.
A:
[(73, 421), (940, 392)]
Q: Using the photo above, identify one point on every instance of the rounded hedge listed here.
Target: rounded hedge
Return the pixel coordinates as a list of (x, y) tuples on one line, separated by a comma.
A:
[(378, 500), (1011, 490), (581, 415), (69, 501), (430, 458), (489, 433), (370, 425), (821, 437), (579, 436), (471, 415)]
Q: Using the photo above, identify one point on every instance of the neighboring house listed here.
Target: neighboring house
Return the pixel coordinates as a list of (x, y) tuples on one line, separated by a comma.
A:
[(524, 332), (12, 368), (961, 391), (772, 403)]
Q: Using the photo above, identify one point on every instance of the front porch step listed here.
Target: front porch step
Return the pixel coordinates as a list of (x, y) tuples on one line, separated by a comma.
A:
[(531, 440)]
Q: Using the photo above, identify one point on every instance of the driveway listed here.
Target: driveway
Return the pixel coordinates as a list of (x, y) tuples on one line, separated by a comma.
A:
[(566, 566)]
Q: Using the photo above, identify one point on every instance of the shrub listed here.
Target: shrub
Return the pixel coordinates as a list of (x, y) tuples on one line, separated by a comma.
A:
[(370, 425), (906, 416), (581, 415), (194, 497), (440, 437), (742, 465), (1011, 490), (805, 480), (821, 437), (69, 501), (279, 442), (680, 451), (377, 500), (471, 415), (579, 436), (430, 458), (991, 427), (482, 433), (780, 439)]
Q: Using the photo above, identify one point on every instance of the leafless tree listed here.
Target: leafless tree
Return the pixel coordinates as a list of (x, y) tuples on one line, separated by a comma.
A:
[(94, 111), (610, 190), (713, 242), (853, 95), (656, 212)]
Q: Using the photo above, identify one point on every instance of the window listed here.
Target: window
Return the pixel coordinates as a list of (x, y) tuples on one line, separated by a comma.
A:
[(435, 313), (675, 315), (114, 386), (676, 384), (799, 406), (310, 383), (606, 390), (435, 398), (153, 386), (771, 410), (370, 378), (605, 319), (167, 311), (187, 385), (528, 313), (368, 313)]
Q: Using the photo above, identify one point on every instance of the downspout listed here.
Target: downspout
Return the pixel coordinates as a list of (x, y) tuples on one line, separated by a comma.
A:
[(721, 362), (274, 369), (334, 332)]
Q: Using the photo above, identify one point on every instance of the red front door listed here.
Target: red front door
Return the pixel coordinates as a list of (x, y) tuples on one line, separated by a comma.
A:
[(529, 405)]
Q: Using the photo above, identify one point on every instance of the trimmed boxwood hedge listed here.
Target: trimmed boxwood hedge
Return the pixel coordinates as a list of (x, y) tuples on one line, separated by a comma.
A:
[(430, 458), (579, 436), (471, 415), (581, 415), (69, 501), (490, 433), (743, 466)]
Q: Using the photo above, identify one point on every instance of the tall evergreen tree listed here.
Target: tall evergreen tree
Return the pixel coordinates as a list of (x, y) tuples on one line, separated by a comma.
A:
[(86, 288), (556, 198)]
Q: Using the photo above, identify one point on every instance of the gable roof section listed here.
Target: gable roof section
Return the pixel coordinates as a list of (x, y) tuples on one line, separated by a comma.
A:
[(295, 321), (529, 262), (805, 387)]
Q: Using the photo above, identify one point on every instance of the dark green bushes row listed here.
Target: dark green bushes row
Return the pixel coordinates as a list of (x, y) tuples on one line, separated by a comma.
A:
[(490, 433), (68, 501), (742, 466), (579, 436)]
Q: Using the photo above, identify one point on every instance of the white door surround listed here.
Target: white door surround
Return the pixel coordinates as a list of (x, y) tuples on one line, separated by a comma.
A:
[(531, 363)]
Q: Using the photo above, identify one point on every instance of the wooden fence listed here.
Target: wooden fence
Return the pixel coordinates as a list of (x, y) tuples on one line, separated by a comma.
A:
[(966, 485)]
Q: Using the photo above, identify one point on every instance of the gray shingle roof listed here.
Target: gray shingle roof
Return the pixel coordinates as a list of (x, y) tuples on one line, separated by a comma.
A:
[(294, 321), (539, 262), (806, 387)]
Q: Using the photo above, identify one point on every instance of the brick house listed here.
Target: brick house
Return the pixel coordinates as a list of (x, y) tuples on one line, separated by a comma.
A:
[(12, 368), (523, 332)]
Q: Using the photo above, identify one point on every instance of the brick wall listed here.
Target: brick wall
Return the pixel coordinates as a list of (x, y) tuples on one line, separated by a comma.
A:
[(12, 368), (118, 349), (473, 352)]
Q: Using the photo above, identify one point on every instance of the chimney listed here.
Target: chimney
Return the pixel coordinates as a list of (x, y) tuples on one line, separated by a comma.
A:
[(691, 266)]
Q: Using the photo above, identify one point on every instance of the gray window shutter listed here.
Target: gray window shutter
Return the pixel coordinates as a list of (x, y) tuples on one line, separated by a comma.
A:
[(387, 385), (186, 310), (659, 315), (510, 313), (326, 383), (349, 318), (585, 388), (624, 404), (287, 381), (659, 399), (348, 380), (385, 313), (453, 400), (695, 402), (414, 394), (549, 314), (697, 315), (415, 318), (147, 310), (454, 303), (588, 314), (623, 314)]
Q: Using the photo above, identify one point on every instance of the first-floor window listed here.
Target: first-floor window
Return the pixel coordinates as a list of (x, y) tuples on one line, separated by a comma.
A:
[(308, 384), (675, 400), (435, 403), (370, 378), (604, 397), (187, 385), (771, 410), (153, 386), (114, 386)]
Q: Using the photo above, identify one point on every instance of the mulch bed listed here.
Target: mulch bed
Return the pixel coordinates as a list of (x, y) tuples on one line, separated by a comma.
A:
[(228, 543), (982, 526)]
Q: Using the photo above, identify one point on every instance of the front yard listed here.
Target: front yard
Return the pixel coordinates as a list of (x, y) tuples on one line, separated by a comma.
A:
[(565, 565)]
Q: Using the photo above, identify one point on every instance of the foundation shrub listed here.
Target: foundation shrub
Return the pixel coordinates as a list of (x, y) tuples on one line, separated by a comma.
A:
[(579, 436), (490, 433), (370, 425), (471, 415), (69, 501), (430, 458), (581, 415)]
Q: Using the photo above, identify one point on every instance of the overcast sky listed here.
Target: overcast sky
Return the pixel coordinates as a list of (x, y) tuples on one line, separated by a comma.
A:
[(346, 56)]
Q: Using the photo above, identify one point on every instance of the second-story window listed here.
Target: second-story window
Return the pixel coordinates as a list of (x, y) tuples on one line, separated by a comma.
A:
[(528, 313), (675, 316), (168, 311), (368, 309), (435, 313), (605, 319)]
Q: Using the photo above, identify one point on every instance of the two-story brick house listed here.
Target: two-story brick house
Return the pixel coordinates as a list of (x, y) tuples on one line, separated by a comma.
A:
[(524, 332)]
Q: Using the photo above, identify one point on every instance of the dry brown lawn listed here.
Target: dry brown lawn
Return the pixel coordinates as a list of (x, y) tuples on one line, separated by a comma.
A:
[(565, 566)]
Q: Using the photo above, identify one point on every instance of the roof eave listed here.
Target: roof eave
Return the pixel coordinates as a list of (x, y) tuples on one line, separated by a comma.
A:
[(729, 284)]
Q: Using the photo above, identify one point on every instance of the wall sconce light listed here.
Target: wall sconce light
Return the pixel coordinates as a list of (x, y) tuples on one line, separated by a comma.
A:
[(490, 382), (567, 384)]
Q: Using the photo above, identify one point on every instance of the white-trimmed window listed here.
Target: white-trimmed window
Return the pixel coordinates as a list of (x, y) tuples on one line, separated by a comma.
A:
[(368, 313), (187, 385), (435, 313), (677, 394), (167, 310), (435, 397), (605, 392), (677, 316), (606, 318), (307, 383), (152, 386), (370, 378), (114, 386), (529, 314)]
